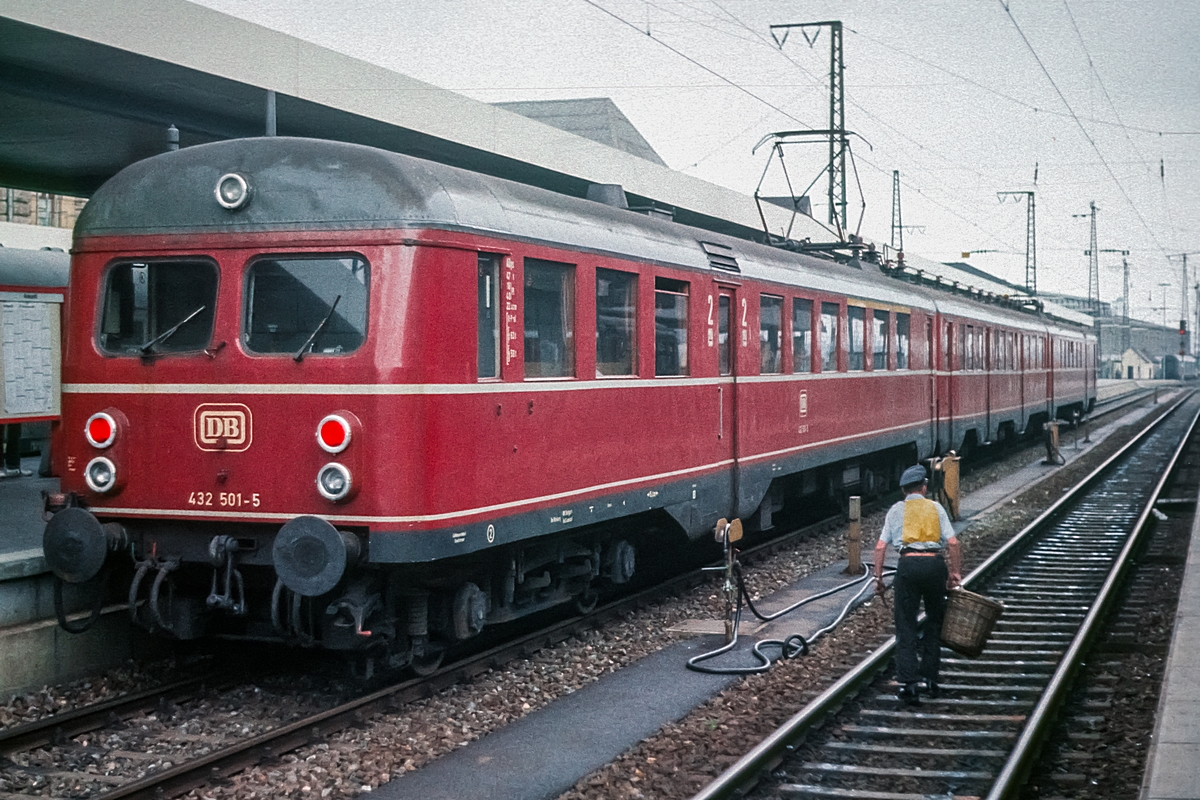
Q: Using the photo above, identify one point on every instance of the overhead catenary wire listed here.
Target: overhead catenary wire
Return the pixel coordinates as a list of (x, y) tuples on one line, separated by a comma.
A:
[(1079, 123)]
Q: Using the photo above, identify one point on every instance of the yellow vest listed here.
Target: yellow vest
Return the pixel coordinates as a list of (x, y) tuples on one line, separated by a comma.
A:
[(921, 522)]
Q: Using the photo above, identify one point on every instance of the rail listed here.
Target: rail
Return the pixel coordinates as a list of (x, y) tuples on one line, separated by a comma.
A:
[(770, 753)]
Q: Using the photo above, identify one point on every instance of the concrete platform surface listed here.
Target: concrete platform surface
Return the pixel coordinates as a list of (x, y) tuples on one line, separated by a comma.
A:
[(21, 515), (1173, 763)]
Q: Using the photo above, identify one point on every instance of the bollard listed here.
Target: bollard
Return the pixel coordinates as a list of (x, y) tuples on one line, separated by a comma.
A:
[(1053, 456), (854, 564)]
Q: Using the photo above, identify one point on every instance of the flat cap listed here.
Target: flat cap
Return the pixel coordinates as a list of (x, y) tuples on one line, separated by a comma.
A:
[(914, 474)]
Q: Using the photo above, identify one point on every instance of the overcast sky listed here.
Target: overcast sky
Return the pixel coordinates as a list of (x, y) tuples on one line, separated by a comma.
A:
[(964, 97)]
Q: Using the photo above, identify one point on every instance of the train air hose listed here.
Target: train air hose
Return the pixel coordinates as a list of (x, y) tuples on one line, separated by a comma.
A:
[(790, 647)]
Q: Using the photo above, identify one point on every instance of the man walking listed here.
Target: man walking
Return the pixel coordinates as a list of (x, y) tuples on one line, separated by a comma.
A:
[(920, 529)]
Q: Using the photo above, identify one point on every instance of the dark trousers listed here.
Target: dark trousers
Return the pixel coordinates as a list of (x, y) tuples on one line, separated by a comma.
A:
[(919, 578), (12, 445)]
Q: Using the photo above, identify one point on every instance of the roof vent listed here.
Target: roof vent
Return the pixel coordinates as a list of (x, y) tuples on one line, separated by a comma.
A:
[(611, 194), (720, 256)]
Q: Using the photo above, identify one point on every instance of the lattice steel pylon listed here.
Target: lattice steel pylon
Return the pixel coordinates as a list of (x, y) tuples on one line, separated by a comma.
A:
[(1093, 261), (897, 222), (1030, 239), (837, 110), (1094, 267)]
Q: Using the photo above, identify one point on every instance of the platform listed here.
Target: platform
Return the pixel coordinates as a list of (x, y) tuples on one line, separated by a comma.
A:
[(21, 522), (1173, 762)]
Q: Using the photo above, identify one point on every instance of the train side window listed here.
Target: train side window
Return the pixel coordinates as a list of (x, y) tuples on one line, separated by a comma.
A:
[(488, 319), (306, 304), (829, 337), (158, 307), (670, 327), (947, 343), (902, 345), (770, 325), (801, 335), (856, 318), (724, 344), (616, 323), (549, 319), (879, 324)]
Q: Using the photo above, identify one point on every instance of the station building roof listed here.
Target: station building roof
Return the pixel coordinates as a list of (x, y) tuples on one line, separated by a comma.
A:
[(90, 86)]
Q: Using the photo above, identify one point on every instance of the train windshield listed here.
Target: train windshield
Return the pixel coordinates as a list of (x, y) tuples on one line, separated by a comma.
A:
[(306, 305), (157, 307)]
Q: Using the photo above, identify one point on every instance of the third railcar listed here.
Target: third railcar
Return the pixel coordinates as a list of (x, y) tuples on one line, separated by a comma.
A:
[(354, 399)]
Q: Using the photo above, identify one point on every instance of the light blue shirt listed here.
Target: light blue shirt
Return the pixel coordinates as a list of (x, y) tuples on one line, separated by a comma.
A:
[(893, 527)]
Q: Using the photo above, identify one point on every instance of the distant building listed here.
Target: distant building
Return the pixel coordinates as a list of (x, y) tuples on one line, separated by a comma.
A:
[(40, 208), (1077, 303), (1135, 365), (595, 118)]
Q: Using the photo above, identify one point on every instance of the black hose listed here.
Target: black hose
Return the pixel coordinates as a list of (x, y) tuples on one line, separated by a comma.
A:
[(97, 604), (789, 647)]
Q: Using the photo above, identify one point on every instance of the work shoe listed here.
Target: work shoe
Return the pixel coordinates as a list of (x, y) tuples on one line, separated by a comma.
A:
[(910, 693), (930, 688)]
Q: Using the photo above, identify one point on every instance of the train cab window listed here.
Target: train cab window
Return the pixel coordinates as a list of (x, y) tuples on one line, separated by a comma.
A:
[(801, 335), (671, 327), (902, 327), (308, 304), (489, 319), (549, 319), (879, 337), (856, 317), (616, 323), (829, 337), (770, 323), (158, 307)]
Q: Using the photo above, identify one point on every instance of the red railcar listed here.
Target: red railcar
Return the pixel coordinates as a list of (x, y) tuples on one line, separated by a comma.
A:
[(348, 398)]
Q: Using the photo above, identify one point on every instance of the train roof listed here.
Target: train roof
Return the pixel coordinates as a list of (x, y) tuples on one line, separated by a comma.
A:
[(313, 184), (46, 268)]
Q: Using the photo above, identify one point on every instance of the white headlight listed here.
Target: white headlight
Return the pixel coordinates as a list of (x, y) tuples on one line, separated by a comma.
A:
[(100, 474), (333, 481)]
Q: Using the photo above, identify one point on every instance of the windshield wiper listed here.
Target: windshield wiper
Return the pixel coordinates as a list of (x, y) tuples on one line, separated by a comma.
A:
[(312, 339), (169, 332)]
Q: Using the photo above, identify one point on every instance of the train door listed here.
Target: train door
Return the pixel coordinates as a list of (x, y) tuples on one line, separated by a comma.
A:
[(931, 366), (945, 389), (990, 351), (1022, 364), (727, 394)]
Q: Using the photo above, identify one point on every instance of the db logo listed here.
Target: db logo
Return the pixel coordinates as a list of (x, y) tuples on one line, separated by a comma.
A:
[(223, 426)]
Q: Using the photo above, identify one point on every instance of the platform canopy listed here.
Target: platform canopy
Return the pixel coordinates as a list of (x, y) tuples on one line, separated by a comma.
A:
[(90, 86)]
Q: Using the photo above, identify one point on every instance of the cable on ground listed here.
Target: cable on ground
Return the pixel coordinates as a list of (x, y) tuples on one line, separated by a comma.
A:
[(789, 647)]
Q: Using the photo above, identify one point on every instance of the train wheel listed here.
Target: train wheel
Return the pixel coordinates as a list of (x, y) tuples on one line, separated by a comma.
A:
[(428, 663), (585, 603)]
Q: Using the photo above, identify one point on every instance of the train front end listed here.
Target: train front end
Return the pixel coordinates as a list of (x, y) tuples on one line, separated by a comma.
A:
[(220, 440)]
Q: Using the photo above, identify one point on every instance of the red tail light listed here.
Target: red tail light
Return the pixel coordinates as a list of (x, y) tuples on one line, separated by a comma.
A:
[(101, 430), (333, 434)]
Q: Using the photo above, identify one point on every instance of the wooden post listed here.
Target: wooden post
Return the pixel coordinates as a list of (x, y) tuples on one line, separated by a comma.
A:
[(855, 565)]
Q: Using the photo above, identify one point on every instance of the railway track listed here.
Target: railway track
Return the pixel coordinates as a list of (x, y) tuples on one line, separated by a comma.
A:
[(1057, 578)]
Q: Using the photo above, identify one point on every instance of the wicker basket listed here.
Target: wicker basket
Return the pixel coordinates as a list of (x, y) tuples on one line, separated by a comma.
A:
[(969, 621)]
